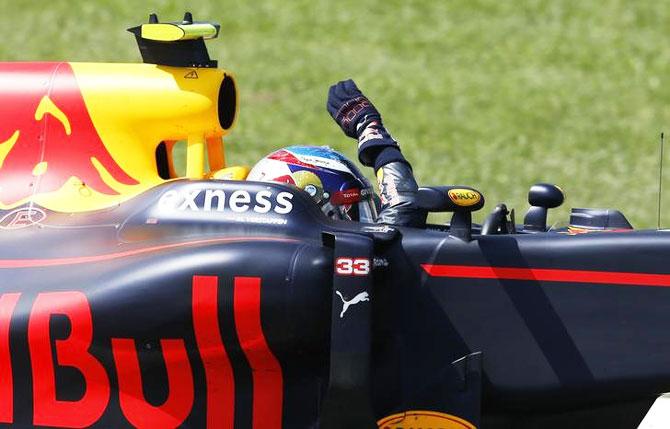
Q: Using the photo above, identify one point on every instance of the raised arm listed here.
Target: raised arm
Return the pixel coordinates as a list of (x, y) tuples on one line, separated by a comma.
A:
[(359, 119)]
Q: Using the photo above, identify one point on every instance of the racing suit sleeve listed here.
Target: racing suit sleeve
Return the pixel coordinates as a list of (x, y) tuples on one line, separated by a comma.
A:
[(398, 189)]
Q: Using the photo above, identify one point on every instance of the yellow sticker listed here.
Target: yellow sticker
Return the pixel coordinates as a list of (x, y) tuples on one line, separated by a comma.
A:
[(40, 168), (424, 419), (168, 32), (464, 197)]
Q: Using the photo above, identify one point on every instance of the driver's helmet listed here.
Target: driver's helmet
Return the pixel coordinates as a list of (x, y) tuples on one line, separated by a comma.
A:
[(334, 182)]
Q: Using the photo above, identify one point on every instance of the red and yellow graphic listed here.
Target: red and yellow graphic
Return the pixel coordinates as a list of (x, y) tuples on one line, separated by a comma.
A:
[(425, 420), (576, 230), (47, 136), (82, 136)]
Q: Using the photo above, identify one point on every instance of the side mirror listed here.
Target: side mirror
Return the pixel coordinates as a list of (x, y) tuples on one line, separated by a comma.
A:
[(541, 197), (461, 200)]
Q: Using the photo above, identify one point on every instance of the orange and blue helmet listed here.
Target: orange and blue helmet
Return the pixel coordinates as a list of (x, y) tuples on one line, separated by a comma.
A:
[(334, 182)]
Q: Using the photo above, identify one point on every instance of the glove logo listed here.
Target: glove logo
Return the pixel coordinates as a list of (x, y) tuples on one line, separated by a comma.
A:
[(351, 109), (370, 133)]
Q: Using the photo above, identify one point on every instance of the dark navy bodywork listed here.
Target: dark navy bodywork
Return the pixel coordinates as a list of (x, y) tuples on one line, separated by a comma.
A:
[(525, 338)]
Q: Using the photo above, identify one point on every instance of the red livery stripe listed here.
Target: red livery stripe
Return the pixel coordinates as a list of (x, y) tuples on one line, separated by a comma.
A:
[(548, 275), (266, 372), (140, 413), (218, 371), (7, 304), (46, 353)]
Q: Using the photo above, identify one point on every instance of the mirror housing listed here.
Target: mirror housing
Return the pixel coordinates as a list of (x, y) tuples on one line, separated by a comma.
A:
[(461, 200), (541, 197)]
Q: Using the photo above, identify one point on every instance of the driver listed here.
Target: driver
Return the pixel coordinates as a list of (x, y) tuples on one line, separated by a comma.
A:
[(334, 182)]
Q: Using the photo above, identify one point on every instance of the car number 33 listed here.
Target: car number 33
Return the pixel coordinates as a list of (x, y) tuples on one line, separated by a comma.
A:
[(352, 266)]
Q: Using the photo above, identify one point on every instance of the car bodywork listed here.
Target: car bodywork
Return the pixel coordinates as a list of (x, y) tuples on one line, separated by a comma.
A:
[(132, 298)]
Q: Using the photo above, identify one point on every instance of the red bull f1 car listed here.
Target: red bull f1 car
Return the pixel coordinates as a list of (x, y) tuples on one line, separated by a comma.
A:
[(136, 294)]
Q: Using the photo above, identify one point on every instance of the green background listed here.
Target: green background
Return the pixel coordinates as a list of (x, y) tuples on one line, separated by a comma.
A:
[(493, 94)]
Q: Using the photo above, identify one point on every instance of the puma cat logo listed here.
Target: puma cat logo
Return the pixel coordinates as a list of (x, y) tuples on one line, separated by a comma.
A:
[(363, 296)]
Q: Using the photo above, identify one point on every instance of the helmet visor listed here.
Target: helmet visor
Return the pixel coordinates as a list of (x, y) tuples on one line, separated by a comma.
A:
[(354, 204)]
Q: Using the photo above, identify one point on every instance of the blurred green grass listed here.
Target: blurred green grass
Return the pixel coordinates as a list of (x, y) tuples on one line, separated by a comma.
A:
[(497, 95)]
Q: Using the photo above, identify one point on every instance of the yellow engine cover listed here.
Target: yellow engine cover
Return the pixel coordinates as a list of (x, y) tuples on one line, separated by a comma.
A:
[(83, 136)]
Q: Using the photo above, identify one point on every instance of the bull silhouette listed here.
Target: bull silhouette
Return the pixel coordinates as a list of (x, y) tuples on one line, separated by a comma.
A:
[(47, 135)]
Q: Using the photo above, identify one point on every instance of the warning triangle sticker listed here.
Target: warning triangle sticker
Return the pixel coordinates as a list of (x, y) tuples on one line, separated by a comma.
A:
[(191, 75)]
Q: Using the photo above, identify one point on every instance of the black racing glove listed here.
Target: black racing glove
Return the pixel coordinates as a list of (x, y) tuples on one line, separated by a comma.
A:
[(350, 108), (359, 119)]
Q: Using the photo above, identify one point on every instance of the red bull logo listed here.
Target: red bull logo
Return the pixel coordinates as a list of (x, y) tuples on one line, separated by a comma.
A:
[(123, 379), (47, 135)]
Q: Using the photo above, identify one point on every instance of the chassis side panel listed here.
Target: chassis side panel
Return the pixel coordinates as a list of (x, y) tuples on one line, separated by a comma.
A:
[(561, 320), (272, 316)]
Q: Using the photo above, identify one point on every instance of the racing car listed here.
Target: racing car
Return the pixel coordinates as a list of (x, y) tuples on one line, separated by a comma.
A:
[(145, 283)]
